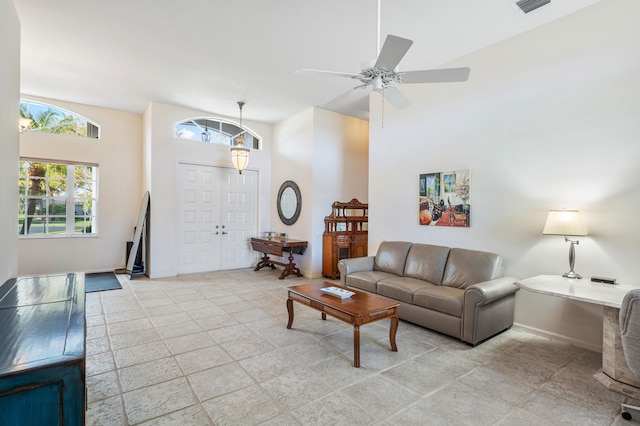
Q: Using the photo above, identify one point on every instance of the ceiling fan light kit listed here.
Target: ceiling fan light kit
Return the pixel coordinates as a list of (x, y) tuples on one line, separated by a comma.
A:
[(526, 6)]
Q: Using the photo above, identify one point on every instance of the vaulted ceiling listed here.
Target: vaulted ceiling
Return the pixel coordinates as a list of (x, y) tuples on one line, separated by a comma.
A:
[(209, 54)]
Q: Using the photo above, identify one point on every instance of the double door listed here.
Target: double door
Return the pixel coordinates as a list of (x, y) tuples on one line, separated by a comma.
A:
[(217, 215)]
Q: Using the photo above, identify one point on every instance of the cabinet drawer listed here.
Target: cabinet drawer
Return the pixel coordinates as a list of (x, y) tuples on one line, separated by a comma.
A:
[(337, 314), (300, 299)]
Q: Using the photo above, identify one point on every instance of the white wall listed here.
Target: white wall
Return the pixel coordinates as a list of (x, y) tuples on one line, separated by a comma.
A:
[(547, 120), (326, 154), (118, 154), (163, 152), (9, 147), (292, 159)]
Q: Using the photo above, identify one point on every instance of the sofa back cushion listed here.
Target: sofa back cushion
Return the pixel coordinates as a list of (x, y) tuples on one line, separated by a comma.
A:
[(467, 267), (391, 257), (426, 262)]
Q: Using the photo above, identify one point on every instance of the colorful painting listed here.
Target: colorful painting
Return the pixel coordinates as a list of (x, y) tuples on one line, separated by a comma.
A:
[(444, 199)]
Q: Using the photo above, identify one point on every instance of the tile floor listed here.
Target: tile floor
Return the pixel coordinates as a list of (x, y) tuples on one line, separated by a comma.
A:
[(213, 349)]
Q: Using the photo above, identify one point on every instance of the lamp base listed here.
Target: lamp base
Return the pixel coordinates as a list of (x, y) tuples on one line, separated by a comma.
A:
[(572, 275)]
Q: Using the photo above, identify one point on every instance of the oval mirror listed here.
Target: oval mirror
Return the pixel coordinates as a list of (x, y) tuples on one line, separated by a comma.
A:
[(289, 202)]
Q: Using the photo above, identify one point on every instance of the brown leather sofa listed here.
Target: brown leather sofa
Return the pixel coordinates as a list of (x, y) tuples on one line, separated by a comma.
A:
[(454, 291)]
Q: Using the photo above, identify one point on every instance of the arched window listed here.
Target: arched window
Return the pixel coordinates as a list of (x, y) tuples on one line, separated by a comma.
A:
[(47, 118), (216, 130)]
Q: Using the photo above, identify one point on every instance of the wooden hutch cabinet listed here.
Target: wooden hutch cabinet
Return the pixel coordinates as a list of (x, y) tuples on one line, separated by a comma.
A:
[(345, 235)]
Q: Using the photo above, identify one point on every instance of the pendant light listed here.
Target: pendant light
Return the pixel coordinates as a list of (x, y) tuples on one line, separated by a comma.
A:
[(240, 154), (206, 136)]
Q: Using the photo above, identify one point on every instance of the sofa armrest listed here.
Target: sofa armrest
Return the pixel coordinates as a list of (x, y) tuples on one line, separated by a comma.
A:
[(488, 309), (355, 264), (489, 291)]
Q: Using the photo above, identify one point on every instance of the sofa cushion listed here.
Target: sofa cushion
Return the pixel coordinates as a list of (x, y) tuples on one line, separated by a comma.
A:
[(439, 298), (366, 280), (467, 267), (400, 288), (426, 262), (391, 257)]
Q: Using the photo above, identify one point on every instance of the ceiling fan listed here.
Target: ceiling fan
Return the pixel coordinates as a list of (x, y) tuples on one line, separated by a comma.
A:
[(383, 76)]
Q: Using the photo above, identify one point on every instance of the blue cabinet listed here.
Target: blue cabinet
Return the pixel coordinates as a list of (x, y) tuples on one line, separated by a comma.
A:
[(42, 350)]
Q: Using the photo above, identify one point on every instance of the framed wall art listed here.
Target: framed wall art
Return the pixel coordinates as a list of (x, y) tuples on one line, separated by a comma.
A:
[(444, 199)]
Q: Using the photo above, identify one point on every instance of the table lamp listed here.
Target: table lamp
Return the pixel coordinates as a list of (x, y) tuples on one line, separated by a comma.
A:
[(566, 222)]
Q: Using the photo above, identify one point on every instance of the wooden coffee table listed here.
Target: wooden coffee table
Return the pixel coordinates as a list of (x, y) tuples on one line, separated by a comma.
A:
[(359, 309)]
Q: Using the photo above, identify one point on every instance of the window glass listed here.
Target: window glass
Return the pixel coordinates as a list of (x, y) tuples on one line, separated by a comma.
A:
[(57, 199), (216, 130), (47, 118)]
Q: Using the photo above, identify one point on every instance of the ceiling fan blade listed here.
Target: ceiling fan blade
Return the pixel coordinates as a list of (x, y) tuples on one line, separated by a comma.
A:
[(347, 98), (392, 52), (395, 97), (326, 73), (435, 76), (354, 102)]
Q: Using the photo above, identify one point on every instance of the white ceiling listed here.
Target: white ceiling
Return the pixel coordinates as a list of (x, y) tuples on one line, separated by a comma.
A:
[(209, 54)]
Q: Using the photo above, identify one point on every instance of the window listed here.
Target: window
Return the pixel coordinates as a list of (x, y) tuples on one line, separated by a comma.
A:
[(51, 119), (216, 130), (57, 199)]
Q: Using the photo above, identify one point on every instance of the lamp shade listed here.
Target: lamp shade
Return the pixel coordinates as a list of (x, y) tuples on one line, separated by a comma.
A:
[(240, 155), (564, 222)]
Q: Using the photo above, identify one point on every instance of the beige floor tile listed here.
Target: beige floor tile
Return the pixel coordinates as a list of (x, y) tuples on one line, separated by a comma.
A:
[(134, 338), (334, 410), (379, 396), (108, 411), (247, 347), (219, 381), (140, 354), (102, 386), (190, 416), (157, 400), (469, 404), (189, 342), (129, 326), (179, 329), (296, 387), (202, 359), (149, 373), (249, 406)]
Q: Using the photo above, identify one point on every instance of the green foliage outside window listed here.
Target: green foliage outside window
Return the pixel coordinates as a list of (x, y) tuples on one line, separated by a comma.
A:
[(50, 119), (56, 199)]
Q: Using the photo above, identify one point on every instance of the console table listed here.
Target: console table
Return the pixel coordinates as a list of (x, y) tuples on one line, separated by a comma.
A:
[(276, 248), (615, 374)]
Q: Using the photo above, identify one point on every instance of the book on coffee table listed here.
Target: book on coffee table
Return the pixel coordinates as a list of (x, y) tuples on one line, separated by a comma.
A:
[(338, 292)]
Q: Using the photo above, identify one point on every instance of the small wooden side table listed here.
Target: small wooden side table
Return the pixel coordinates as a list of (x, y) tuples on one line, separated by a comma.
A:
[(276, 248)]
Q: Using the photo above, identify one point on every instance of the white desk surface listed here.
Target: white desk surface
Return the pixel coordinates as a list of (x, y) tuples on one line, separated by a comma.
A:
[(583, 290)]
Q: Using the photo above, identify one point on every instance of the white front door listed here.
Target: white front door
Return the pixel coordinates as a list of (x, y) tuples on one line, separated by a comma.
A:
[(239, 217), (217, 214)]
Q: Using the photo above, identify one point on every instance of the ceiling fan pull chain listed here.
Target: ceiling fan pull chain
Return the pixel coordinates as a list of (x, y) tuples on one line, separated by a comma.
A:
[(382, 108)]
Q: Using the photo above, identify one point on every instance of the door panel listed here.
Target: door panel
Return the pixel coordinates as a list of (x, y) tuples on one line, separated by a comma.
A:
[(241, 193)]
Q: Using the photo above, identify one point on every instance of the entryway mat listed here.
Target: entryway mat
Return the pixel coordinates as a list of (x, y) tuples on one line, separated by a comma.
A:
[(101, 281)]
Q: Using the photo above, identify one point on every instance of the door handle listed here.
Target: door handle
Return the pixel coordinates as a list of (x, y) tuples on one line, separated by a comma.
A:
[(224, 233)]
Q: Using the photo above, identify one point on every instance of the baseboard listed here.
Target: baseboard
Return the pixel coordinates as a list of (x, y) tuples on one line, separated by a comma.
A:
[(559, 337)]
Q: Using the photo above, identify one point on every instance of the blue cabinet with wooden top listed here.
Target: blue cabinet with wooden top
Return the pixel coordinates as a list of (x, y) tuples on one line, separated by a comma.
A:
[(42, 350)]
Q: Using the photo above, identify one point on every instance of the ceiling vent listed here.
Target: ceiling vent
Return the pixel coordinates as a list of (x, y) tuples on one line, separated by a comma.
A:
[(526, 6)]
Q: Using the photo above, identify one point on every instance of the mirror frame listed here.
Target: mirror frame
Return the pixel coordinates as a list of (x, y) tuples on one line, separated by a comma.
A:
[(289, 220)]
